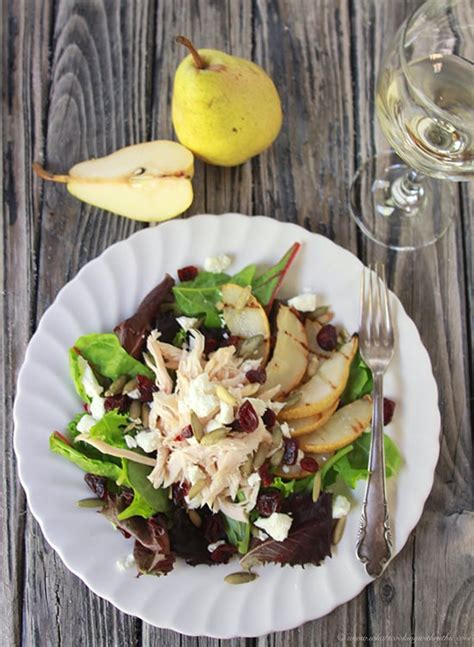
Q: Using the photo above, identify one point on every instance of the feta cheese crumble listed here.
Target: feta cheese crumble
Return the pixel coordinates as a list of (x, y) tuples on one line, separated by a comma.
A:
[(303, 302), (212, 547), (217, 263), (187, 323), (130, 440), (85, 424), (147, 440), (125, 563), (285, 429), (340, 506), (201, 396), (277, 525)]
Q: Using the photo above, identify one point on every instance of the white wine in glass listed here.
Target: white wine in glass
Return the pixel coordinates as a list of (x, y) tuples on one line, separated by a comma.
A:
[(425, 105)]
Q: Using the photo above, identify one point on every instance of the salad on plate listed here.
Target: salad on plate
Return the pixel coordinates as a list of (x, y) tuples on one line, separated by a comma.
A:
[(220, 422)]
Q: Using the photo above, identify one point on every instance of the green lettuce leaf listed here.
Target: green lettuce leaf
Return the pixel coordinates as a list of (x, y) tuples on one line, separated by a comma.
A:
[(110, 429), (265, 286), (293, 486), (245, 276), (351, 466), (238, 534), (106, 356), (138, 508), (58, 445), (359, 383)]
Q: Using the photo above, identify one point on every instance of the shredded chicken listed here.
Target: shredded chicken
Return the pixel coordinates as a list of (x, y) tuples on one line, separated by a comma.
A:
[(163, 379)]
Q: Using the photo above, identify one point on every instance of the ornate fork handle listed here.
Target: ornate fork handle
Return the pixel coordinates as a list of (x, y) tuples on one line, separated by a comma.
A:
[(374, 543)]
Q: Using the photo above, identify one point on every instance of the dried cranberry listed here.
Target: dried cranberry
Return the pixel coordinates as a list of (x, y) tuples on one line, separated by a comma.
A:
[(98, 485), (232, 340), (235, 425), (213, 528), (223, 553), (290, 453), (269, 502), (256, 375), (265, 475), (248, 419), (327, 337), (120, 402), (388, 409), (146, 387), (86, 407), (308, 464), (188, 273), (269, 418), (187, 432), (178, 492), (210, 345)]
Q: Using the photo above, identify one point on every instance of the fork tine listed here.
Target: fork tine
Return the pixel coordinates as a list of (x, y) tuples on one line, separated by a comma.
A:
[(388, 332), (372, 307), (363, 304)]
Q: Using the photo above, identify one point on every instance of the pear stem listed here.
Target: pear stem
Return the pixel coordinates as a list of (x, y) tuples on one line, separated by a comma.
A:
[(46, 175), (198, 62)]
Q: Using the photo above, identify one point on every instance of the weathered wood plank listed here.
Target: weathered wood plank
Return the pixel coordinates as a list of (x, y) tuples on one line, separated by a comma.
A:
[(431, 285), (100, 80), (25, 77), (305, 176), (226, 26)]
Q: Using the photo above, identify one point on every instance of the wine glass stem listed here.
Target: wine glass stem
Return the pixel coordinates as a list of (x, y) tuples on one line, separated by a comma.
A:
[(408, 191)]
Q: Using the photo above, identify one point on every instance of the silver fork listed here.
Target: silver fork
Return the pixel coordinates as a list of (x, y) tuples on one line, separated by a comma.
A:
[(376, 340)]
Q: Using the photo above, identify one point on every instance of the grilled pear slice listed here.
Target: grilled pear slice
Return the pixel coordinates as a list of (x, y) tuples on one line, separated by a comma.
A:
[(344, 426), (150, 182), (290, 356), (245, 317), (326, 386), (302, 426)]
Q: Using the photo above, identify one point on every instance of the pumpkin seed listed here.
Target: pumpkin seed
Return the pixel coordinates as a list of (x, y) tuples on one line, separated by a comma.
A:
[(260, 455), (292, 400), (145, 415), (277, 457), (90, 503), (224, 395), (277, 436), (196, 424), (240, 578), (214, 436), (247, 467), (135, 410), (116, 386), (252, 347), (131, 385), (316, 487), (197, 488), (338, 530), (195, 518), (319, 312)]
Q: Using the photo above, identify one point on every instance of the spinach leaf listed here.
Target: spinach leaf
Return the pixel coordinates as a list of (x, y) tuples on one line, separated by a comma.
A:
[(265, 286), (138, 508), (58, 445), (157, 498), (199, 296), (293, 486), (359, 383)]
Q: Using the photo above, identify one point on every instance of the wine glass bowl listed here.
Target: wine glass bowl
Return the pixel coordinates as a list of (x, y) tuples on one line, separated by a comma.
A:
[(425, 105)]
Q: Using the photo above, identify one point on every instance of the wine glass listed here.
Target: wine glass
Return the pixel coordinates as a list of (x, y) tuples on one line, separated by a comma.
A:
[(425, 105)]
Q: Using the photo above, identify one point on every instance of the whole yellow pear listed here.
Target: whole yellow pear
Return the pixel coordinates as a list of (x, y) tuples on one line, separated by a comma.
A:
[(225, 109)]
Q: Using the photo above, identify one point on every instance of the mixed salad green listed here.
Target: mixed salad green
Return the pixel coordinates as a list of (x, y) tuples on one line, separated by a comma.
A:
[(188, 445)]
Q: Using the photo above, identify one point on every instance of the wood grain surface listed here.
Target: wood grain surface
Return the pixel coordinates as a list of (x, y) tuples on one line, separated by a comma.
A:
[(81, 78)]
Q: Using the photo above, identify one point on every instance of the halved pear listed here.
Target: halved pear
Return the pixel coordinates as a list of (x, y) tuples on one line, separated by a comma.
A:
[(302, 426), (290, 356), (324, 388), (245, 317), (148, 182), (345, 426)]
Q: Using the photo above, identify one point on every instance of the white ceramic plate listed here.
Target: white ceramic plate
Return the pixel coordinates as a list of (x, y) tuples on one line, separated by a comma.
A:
[(196, 601)]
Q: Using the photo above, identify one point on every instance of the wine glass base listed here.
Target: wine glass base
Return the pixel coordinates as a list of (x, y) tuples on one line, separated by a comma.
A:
[(396, 218)]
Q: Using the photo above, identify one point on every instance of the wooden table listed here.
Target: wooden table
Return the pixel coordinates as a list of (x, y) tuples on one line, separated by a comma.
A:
[(84, 77)]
